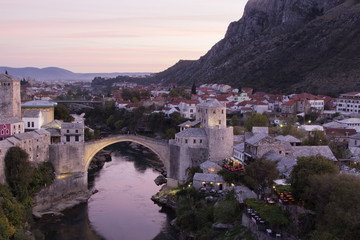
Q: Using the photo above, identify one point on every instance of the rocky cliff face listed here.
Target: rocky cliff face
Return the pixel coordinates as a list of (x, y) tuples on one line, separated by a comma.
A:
[(283, 46)]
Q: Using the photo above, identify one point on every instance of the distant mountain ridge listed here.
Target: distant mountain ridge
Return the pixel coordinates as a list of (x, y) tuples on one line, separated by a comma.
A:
[(283, 46), (55, 73)]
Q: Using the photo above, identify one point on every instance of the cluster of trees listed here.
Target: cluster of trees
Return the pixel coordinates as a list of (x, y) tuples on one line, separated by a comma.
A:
[(195, 215), (24, 179), (179, 92), (140, 120), (332, 196), (134, 95)]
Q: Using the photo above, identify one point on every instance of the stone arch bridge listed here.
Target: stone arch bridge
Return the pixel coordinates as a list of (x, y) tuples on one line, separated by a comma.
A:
[(159, 147)]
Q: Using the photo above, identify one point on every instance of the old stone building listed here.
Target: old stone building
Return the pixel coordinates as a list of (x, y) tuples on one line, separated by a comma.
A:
[(10, 110), (260, 144), (9, 97), (213, 140), (72, 133)]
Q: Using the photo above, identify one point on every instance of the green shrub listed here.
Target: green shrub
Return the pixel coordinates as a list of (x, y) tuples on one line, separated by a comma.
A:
[(43, 176)]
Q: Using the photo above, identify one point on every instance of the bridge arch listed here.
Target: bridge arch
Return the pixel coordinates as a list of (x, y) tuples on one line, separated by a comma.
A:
[(159, 147)]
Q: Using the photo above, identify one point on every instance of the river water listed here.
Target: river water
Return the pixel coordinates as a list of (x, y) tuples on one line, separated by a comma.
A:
[(122, 209)]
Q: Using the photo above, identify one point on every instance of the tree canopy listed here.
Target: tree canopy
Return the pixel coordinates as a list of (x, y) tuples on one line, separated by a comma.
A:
[(305, 168), (261, 173), (255, 120), (62, 113), (335, 198)]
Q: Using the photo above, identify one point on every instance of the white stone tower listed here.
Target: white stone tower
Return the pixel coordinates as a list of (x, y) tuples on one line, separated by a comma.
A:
[(212, 116), (10, 100)]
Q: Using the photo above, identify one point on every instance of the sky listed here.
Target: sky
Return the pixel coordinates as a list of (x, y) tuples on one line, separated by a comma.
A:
[(111, 35)]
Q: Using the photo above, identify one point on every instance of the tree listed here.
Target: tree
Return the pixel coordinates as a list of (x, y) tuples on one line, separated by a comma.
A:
[(260, 174), (170, 133), (304, 169), (315, 139), (193, 88), (235, 120), (62, 113), (255, 120), (19, 172)]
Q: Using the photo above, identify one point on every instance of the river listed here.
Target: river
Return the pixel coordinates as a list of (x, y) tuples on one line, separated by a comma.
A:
[(122, 209)]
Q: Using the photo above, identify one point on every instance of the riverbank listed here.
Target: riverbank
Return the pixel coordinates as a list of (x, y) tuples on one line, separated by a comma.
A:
[(53, 199)]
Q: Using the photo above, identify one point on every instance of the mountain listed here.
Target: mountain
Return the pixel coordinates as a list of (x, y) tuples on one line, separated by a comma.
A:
[(55, 74), (283, 46)]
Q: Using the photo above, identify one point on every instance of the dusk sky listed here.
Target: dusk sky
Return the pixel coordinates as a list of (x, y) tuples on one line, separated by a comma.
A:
[(111, 35)]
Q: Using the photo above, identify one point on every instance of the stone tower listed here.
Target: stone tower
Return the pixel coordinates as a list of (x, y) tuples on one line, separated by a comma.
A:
[(10, 100), (220, 138)]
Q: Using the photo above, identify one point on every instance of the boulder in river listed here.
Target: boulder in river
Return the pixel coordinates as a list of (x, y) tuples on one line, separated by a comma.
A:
[(160, 180)]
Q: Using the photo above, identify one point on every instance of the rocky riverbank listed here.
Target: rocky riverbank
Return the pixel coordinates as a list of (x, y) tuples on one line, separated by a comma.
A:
[(165, 197), (99, 160)]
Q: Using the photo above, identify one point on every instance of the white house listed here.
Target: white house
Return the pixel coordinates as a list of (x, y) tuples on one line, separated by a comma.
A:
[(33, 119), (239, 152), (188, 108)]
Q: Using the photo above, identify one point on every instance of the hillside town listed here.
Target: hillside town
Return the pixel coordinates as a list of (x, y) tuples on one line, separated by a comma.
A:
[(224, 132)]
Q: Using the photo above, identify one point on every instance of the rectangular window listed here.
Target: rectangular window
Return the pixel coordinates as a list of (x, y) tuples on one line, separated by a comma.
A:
[(194, 140), (32, 124), (68, 138), (200, 140), (28, 124), (185, 140), (219, 121), (76, 138), (77, 131)]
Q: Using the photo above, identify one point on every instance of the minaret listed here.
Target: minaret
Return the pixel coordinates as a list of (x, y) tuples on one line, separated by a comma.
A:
[(10, 100)]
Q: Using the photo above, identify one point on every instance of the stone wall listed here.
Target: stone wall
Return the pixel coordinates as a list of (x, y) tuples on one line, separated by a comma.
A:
[(184, 157), (220, 141), (173, 171), (67, 158)]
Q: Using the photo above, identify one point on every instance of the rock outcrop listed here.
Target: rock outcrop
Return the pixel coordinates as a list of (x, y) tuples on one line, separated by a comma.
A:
[(283, 46)]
